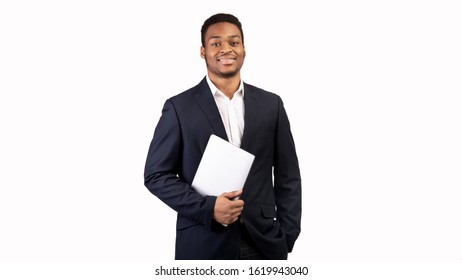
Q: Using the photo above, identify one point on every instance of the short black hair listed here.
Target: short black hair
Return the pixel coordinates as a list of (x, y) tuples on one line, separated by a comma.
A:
[(217, 18)]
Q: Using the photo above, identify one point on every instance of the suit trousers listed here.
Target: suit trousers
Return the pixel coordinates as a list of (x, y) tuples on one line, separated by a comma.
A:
[(248, 250)]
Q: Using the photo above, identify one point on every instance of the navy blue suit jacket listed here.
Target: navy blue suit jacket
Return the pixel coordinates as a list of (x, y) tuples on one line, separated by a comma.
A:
[(272, 210)]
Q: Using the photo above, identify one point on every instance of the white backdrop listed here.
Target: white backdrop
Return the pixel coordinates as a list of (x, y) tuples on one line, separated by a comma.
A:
[(372, 88)]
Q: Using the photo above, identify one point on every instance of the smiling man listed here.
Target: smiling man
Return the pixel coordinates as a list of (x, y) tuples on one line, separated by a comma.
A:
[(261, 221)]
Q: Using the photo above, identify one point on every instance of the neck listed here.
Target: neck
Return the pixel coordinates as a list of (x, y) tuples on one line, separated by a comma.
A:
[(227, 85)]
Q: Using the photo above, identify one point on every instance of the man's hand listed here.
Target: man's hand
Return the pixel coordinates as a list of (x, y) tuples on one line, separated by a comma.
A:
[(226, 209)]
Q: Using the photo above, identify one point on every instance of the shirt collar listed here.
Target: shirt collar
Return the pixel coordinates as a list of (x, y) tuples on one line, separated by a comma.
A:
[(214, 89)]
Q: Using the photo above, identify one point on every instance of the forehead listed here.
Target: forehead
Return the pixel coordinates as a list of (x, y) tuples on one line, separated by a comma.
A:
[(222, 30)]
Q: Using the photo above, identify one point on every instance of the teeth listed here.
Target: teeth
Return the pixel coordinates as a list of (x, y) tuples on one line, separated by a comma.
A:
[(226, 61)]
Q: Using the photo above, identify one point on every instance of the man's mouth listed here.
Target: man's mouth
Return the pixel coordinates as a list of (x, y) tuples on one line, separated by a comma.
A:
[(227, 60)]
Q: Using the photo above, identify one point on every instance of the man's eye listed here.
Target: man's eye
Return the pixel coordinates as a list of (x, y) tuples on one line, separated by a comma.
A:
[(215, 44), (234, 43)]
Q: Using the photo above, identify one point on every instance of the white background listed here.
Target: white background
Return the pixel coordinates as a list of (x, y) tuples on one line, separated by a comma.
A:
[(372, 88)]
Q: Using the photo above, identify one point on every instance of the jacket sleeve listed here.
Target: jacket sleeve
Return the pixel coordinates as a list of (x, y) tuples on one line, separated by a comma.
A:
[(161, 174), (287, 179)]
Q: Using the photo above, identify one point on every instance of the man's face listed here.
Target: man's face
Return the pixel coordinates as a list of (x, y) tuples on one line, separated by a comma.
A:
[(224, 51)]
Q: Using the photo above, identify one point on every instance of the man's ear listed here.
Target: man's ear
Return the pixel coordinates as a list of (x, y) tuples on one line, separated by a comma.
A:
[(202, 52)]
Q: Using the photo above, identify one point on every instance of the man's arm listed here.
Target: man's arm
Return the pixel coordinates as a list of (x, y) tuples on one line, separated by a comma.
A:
[(287, 180), (160, 177), (161, 171)]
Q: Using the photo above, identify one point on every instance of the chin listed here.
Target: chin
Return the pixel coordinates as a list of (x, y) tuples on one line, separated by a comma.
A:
[(228, 74)]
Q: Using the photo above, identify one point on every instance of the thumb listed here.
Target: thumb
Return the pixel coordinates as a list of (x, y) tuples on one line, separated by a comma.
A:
[(233, 194)]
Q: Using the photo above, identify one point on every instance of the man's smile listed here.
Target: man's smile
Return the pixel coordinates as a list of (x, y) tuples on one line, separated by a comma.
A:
[(226, 60)]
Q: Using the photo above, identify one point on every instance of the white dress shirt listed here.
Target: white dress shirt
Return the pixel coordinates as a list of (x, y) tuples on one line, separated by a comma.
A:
[(231, 112)]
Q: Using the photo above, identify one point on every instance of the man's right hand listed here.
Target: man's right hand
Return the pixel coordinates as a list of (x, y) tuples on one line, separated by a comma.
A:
[(227, 210)]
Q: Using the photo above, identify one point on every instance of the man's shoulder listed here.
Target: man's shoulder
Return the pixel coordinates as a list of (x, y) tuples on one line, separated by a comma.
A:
[(189, 93), (259, 92)]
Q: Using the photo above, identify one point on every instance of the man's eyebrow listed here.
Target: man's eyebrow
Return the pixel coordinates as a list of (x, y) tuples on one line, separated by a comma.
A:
[(219, 37)]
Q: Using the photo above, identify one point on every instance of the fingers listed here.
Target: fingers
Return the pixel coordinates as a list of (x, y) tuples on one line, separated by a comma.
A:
[(227, 210), (227, 220), (232, 195), (236, 210), (235, 205), (231, 220)]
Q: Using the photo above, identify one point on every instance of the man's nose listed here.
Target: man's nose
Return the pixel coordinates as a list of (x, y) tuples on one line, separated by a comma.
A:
[(225, 49)]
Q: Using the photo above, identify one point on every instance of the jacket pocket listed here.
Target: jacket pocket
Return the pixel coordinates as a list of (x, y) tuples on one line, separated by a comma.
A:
[(268, 211)]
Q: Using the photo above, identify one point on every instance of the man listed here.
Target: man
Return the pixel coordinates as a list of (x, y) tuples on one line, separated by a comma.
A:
[(260, 222)]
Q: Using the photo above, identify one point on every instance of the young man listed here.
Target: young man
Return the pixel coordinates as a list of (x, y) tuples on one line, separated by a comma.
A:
[(265, 221)]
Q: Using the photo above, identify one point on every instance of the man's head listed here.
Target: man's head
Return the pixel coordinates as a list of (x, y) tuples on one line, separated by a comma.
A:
[(217, 18), (223, 45)]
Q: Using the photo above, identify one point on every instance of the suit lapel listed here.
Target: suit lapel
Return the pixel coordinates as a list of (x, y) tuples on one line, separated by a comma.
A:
[(209, 107), (250, 118)]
